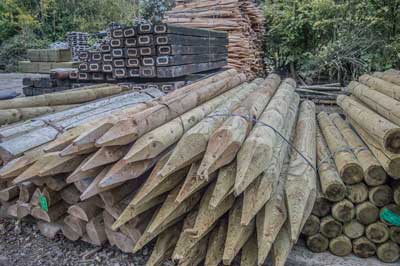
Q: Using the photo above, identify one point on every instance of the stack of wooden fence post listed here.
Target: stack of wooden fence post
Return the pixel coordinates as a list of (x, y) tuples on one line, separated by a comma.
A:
[(358, 204), (242, 19), (206, 172)]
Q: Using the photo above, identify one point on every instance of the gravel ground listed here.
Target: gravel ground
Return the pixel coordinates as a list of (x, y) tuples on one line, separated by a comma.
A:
[(21, 244), (13, 81)]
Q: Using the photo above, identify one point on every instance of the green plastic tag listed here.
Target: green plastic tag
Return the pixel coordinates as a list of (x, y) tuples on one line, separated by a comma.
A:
[(43, 203), (390, 217)]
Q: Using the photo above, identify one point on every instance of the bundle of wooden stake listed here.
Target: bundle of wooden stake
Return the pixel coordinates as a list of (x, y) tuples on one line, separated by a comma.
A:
[(242, 19), (206, 172), (358, 204), (24, 108)]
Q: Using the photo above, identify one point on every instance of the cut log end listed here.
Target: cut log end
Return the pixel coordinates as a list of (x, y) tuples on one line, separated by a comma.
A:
[(317, 243)]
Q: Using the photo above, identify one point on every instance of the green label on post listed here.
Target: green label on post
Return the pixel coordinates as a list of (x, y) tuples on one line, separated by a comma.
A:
[(390, 217), (43, 203)]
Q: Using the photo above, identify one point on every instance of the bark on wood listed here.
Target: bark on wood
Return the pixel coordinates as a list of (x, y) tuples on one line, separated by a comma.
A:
[(151, 118), (340, 246), (193, 143), (357, 193), (364, 248), (383, 131), (353, 229), (258, 147), (227, 140), (301, 174), (330, 228), (343, 211), (390, 89), (389, 161), (238, 234), (312, 226), (381, 196), (367, 213), (388, 252), (332, 185), (260, 191), (317, 243), (346, 162)]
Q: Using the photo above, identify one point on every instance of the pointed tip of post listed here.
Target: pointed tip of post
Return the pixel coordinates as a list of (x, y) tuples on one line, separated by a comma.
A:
[(136, 155), (91, 136), (118, 135), (109, 178)]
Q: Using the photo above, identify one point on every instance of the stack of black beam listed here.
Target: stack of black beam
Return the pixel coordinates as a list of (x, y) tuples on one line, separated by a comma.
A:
[(154, 51)]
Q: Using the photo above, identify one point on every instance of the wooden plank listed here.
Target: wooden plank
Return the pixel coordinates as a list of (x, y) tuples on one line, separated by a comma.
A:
[(190, 50), (179, 71), (189, 59)]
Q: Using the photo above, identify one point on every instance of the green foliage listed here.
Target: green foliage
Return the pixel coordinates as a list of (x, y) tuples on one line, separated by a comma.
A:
[(341, 39), (154, 9)]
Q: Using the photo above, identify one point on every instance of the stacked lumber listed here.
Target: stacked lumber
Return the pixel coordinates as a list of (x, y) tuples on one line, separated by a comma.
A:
[(242, 19), (154, 51), (57, 81), (357, 208), (44, 60), (191, 172)]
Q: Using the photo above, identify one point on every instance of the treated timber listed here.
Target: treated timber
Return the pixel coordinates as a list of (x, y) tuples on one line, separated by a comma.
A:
[(224, 184), (384, 105), (86, 210), (164, 246), (367, 213), (364, 248), (332, 185), (228, 138), (340, 246), (282, 246), (75, 224), (126, 131), (381, 196), (178, 60), (353, 229), (258, 147), (388, 252), (317, 243), (194, 142), (377, 232), (330, 227), (237, 234), (390, 89), (9, 193), (357, 193), (389, 161), (312, 226), (190, 40), (343, 211), (185, 242), (158, 140), (182, 70), (374, 174), (54, 213), (190, 50), (301, 174), (96, 231), (389, 76), (346, 162), (249, 252), (386, 133), (217, 238), (181, 30), (260, 191)]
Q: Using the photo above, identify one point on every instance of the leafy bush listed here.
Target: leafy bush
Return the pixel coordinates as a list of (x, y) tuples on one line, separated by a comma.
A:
[(338, 39)]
